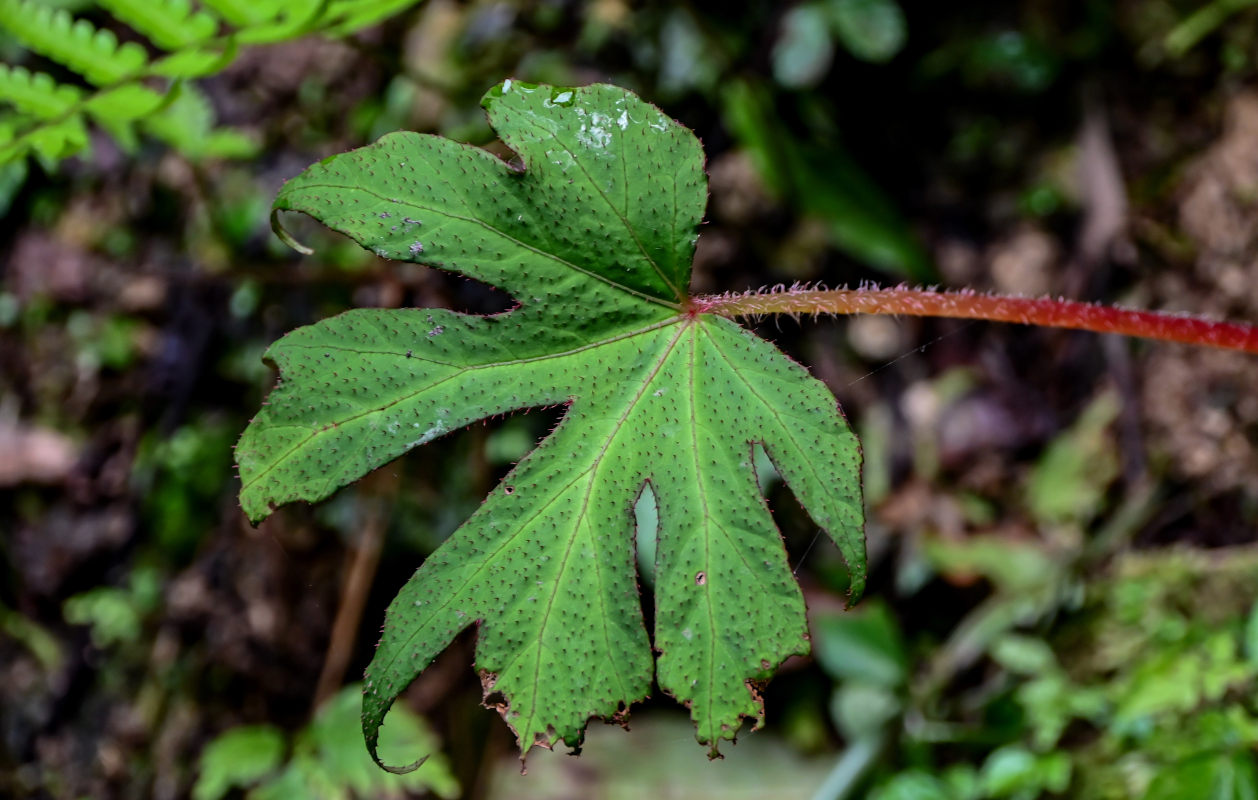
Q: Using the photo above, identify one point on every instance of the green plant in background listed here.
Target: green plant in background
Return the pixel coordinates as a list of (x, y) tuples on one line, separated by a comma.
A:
[(326, 761), (1087, 671), (115, 615), (128, 89), (592, 230), (871, 30), (175, 474), (1201, 23), (826, 182), (816, 172), (1135, 696)]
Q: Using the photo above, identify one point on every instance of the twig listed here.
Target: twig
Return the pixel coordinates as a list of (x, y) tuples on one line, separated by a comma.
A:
[(358, 579)]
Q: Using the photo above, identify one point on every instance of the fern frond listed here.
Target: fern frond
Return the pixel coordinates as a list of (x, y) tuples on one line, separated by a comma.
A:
[(61, 139), (77, 44), (51, 140), (51, 118), (35, 93), (351, 15), (171, 24), (117, 111), (54, 126), (57, 111), (187, 124)]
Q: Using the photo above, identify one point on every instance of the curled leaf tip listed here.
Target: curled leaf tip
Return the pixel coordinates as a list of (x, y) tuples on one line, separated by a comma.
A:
[(411, 767), (285, 236)]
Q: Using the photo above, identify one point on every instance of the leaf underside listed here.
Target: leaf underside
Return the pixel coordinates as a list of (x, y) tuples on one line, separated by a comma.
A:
[(594, 239)]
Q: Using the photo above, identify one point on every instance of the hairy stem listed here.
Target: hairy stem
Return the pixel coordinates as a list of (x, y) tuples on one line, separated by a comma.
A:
[(1045, 312)]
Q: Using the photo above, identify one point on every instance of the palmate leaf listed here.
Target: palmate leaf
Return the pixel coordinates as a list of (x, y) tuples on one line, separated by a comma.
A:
[(593, 237)]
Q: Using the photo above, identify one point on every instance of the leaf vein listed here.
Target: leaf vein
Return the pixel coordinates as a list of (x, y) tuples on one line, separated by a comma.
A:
[(504, 235), (462, 371), (633, 232)]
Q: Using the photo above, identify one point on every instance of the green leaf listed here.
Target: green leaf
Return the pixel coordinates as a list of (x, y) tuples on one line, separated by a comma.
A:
[(195, 62), (1218, 777), (77, 44), (238, 758), (35, 93), (1023, 655), (1200, 24), (329, 759), (593, 235), (1013, 771), (862, 710), (171, 24), (296, 17), (127, 102), (53, 141), (871, 30), (187, 123), (862, 646), (1250, 636), (1069, 483), (913, 784), (245, 13), (353, 15), (804, 50)]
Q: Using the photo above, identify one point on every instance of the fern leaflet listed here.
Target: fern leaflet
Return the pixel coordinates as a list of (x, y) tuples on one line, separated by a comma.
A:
[(244, 14), (187, 124), (171, 24), (79, 45), (195, 63), (35, 93), (298, 17), (351, 15), (128, 102)]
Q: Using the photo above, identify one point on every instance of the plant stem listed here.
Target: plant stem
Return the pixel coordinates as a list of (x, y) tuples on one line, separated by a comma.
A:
[(1045, 312), (851, 768), (379, 490)]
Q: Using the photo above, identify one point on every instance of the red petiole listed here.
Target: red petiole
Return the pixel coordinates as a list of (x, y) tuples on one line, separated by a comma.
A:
[(1045, 312)]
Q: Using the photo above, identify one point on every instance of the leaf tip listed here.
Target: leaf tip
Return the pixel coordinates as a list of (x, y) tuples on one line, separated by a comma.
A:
[(285, 236), (411, 767), (505, 88), (372, 720)]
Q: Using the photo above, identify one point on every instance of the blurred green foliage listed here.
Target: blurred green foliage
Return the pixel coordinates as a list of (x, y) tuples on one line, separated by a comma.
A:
[(1047, 605), (178, 475), (1134, 695), (120, 87), (116, 615), (327, 760)]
